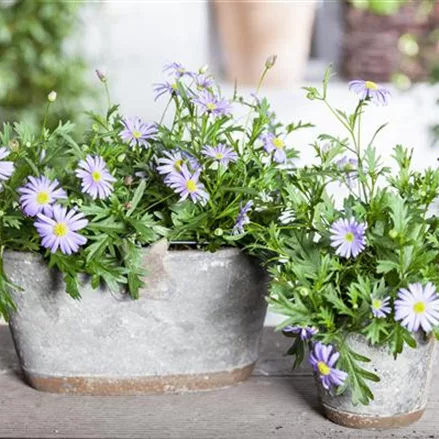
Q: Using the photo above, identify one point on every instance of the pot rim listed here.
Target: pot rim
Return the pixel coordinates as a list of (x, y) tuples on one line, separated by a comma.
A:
[(222, 253)]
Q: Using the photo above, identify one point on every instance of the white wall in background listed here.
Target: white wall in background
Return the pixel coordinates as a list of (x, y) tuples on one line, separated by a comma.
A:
[(132, 40)]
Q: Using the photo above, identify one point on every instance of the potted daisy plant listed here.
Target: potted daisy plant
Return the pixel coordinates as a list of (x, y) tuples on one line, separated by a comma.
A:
[(356, 276), (157, 212)]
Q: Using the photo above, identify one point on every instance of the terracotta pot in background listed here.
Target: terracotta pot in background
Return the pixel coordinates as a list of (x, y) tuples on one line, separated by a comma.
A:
[(249, 32)]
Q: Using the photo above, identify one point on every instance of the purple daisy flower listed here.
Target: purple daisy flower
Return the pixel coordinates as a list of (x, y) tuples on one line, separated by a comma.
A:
[(380, 307), (39, 195), (203, 81), (165, 88), (170, 164), (323, 359), (370, 90), (6, 168), (176, 69), (137, 132), (187, 184), (349, 237), (305, 333), (220, 153), (242, 218), (96, 179), (418, 306), (59, 231), (209, 103), (276, 144), (349, 166)]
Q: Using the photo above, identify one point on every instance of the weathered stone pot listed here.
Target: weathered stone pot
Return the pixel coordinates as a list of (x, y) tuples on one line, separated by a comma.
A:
[(401, 395), (196, 326)]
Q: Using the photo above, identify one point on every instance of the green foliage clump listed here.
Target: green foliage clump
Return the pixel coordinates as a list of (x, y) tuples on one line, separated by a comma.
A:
[(316, 287)]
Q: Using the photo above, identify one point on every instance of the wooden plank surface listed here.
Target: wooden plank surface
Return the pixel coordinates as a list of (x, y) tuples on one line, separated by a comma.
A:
[(271, 404)]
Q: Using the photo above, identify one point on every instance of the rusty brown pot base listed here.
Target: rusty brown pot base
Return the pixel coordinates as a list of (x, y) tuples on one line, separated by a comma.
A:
[(137, 386), (352, 420)]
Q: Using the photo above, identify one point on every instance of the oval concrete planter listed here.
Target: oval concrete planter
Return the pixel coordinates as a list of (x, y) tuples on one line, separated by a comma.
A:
[(401, 395), (196, 326)]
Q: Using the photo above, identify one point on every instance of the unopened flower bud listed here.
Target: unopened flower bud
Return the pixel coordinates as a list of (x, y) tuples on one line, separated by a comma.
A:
[(128, 205), (393, 233), (14, 145), (203, 69), (355, 306), (304, 291), (121, 158), (52, 96), (128, 180), (218, 232), (101, 75), (271, 61)]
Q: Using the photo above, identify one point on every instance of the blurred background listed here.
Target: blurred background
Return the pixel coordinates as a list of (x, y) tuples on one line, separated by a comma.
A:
[(57, 45)]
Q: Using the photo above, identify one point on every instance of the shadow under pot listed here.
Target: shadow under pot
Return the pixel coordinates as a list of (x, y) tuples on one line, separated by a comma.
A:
[(197, 325)]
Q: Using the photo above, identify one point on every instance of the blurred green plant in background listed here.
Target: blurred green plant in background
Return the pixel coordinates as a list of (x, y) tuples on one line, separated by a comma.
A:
[(379, 7), (34, 60)]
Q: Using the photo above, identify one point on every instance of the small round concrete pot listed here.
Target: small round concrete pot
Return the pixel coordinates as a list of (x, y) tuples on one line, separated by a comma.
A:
[(400, 396), (197, 325)]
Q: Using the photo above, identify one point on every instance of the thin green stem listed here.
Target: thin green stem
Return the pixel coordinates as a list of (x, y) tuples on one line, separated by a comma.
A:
[(107, 92), (45, 120), (258, 88), (165, 110)]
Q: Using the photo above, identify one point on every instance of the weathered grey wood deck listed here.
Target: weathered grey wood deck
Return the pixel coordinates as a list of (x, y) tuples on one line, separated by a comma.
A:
[(274, 403)]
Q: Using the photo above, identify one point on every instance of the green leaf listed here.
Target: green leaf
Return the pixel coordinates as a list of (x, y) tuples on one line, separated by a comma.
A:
[(399, 214), (357, 376), (72, 285), (133, 262), (98, 247), (377, 331), (385, 266), (108, 225), (297, 350), (138, 194), (109, 271)]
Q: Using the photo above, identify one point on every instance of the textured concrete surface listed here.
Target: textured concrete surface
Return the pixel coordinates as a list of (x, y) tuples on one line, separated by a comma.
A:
[(201, 313)]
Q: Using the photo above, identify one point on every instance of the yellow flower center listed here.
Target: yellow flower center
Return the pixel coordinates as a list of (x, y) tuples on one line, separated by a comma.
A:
[(137, 134), (419, 307), (191, 186), (96, 176), (174, 86), (370, 85), (219, 155), (349, 237), (60, 230), (43, 197), (278, 143), (376, 304), (324, 369), (178, 164), (211, 106)]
